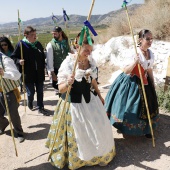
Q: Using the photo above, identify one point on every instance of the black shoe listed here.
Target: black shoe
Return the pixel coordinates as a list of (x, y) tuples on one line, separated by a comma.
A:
[(20, 138), (1, 132), (30, 105), (118, 131), (148, 135), (44, 112)]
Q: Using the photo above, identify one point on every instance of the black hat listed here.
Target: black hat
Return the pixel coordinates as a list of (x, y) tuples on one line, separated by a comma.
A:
[(57, 29)]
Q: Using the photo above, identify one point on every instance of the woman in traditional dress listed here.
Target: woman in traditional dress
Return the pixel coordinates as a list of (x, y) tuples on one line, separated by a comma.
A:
[(124, 102), (83, 133)]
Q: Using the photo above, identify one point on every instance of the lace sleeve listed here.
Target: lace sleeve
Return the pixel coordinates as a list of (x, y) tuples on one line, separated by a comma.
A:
[(65, 70)]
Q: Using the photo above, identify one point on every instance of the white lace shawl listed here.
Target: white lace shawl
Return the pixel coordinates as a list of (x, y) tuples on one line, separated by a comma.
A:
[(67, 66), (146, 64)]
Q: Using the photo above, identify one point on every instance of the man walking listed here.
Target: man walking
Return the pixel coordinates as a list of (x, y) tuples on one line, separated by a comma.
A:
[(10, 79), (34, 67), (57, 50)]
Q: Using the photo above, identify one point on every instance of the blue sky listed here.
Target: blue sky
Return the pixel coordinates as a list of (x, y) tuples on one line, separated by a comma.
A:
[(43, 8)]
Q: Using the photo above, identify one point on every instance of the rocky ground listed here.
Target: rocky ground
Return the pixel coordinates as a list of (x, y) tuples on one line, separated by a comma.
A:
[(133, 153)]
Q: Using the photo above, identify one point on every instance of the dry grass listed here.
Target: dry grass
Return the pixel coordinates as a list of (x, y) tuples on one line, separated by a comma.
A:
[(153, 15)]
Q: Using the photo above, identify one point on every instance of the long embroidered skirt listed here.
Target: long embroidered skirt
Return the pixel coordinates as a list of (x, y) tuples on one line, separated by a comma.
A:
[(81, 135), (125, 105)]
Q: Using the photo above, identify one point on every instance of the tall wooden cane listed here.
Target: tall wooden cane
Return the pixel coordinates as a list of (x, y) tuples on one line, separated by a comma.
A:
[(9, 117), (23, 77), (69, 87), (143, 89)]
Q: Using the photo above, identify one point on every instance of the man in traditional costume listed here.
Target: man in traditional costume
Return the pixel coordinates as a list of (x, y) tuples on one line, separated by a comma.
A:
[(10, 80)]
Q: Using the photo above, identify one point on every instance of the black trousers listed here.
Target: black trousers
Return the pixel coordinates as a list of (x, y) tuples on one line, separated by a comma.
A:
[(30, 87), (13, 110), (54, 83)]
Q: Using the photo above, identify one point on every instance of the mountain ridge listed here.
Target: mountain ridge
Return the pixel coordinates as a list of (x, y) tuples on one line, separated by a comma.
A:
[(75, 19)]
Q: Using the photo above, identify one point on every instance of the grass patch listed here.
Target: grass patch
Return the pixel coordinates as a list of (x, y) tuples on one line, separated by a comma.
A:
[(163, 97)]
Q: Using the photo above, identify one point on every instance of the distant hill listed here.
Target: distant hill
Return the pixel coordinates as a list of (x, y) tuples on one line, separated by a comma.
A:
[(75, 20)]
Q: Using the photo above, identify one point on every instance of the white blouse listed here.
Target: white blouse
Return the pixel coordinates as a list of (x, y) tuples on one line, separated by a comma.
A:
[(11, 71), (67, 66), (146, 64)]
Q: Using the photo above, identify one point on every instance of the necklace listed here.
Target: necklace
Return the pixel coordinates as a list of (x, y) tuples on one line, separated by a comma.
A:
[(81, 62), (145, 53)]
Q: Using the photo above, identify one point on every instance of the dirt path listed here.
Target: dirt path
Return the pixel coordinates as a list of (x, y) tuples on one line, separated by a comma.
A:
[(133, 153)]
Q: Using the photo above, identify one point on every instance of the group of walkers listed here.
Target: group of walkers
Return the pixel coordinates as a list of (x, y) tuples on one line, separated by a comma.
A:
[(81, 129)]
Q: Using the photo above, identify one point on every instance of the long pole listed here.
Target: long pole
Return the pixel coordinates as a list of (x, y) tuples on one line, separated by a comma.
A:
[(9, 117), (69, 87), (23, 77), (143, 89), (66, 29)]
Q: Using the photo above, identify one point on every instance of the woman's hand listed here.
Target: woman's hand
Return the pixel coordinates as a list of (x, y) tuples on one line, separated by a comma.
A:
[(70, 80), (129, 68), (63, 87), (21, 62), (137, 59)]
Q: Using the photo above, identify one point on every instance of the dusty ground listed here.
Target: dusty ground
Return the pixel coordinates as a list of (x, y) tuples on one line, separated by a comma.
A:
[(133, 153)]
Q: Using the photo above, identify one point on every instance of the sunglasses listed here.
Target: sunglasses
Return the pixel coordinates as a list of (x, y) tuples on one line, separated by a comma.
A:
[(4, 45), (148, 39)]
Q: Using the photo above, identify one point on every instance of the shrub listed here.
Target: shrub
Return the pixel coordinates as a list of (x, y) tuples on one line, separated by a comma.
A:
[(163, 97), (153, 15)]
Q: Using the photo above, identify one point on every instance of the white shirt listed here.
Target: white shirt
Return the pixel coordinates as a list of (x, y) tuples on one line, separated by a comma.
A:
[(50, 58), (10, 69), (146, 64)]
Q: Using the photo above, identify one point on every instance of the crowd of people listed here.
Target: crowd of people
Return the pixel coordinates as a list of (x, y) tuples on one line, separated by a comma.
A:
[(83, 109)]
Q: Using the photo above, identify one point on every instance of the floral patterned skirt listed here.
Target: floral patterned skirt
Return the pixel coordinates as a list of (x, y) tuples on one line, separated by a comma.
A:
[(125, 105), (65, 146)]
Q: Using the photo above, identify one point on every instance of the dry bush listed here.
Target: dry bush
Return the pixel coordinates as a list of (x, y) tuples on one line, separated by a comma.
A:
[(117, 28), (153, 15), (102, 38)]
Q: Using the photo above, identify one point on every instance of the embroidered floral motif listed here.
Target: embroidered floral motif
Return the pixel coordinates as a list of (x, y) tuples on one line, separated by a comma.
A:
[(115, 118), (62, 154)]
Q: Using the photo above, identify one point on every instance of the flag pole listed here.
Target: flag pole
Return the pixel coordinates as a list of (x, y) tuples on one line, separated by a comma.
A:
[(143, 89), (66, 18), (69, 87), (23, 77), (9, 117)]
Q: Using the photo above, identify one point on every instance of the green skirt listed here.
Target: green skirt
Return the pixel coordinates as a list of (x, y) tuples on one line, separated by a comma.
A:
[(125, 106)]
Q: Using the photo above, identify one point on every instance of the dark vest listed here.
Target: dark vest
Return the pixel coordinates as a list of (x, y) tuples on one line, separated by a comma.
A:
[(78, 89), (59, 54)]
